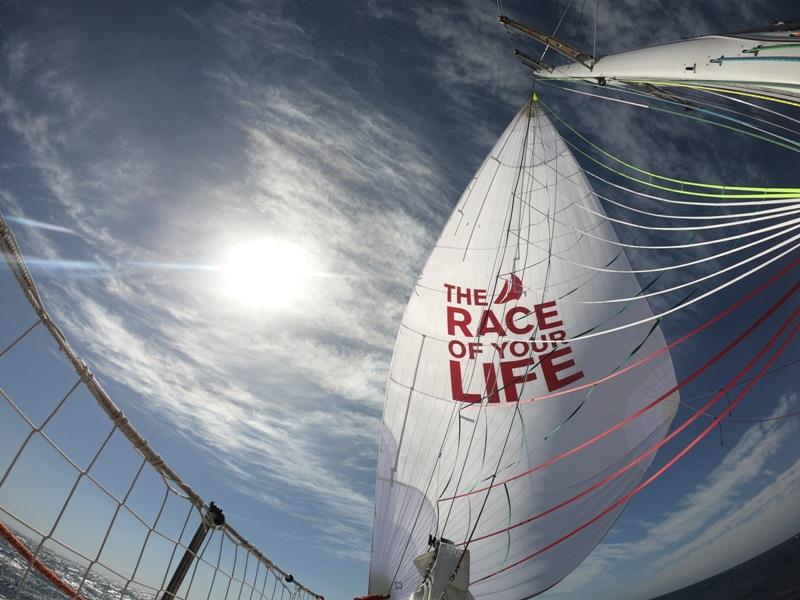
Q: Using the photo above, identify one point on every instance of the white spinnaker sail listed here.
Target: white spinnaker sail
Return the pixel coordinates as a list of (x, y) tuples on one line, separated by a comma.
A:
[(757, 61), (517, 222)]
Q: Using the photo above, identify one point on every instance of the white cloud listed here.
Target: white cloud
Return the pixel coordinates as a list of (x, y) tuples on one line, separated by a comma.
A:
[(289, 405), (702, 535), (764, 520), (357, 183)]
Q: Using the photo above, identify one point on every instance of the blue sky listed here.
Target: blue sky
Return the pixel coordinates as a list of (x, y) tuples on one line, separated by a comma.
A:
[(158, 133)]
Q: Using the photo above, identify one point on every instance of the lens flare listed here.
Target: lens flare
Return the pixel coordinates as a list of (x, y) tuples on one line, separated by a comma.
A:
[(267, 273)]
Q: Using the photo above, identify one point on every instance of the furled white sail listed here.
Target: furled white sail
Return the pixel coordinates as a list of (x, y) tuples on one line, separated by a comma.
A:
[(766, 60), (480, 350)]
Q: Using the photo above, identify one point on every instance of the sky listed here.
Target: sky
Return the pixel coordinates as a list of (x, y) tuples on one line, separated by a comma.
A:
[(156, 136)]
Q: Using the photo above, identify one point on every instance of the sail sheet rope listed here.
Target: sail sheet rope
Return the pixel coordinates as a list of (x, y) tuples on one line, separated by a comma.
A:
[(658, 473), (727, 349), (110, 530), (758, 191), (655, 447)]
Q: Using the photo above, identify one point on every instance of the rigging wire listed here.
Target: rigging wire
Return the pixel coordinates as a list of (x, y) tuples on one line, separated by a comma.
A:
[(594, 41), (782, 228), (732, 98), (580, 18), (687, 105), (555, 31), (765, 201), (794, 209), (694, 281), (688, 302), (685, 403)]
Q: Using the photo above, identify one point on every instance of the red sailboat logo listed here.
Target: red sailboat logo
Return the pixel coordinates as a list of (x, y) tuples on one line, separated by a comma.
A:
[(512, 290)]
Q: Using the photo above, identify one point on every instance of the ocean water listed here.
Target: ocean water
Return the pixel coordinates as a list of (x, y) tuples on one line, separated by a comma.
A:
[(12, 569), (773, 575)]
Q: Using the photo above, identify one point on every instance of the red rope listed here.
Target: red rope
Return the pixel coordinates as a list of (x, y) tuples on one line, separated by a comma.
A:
[(657, 446), (633, 416), (43, 569), (682, 453), (650, 357)]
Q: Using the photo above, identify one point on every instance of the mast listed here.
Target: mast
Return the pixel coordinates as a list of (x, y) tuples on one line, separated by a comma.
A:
[(550, 41)]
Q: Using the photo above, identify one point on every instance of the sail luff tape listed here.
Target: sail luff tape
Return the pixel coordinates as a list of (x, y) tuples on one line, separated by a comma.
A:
[(14, 259), (769, 191)]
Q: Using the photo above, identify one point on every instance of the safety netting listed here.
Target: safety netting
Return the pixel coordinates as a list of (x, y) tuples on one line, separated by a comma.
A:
[(88, 509)]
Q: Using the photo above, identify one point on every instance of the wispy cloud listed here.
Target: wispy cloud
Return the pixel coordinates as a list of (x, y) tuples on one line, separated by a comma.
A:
[(696, 539), (273, 137), (289, 405)]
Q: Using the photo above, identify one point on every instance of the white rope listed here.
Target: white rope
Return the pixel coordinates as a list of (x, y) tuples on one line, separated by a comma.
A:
[(786, 208), (688, 303), (780, 214)]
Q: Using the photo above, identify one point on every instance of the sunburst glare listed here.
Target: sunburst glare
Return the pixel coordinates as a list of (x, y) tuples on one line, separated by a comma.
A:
[(266, 273)]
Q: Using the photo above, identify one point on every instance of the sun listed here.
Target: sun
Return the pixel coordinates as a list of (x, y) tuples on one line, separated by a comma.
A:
[(266, 273)]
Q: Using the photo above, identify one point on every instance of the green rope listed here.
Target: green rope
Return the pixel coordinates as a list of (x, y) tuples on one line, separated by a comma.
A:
[(762, 48), (765, 192)]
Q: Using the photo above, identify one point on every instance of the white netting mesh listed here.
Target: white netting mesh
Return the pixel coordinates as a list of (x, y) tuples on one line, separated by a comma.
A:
[(87, 509)]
